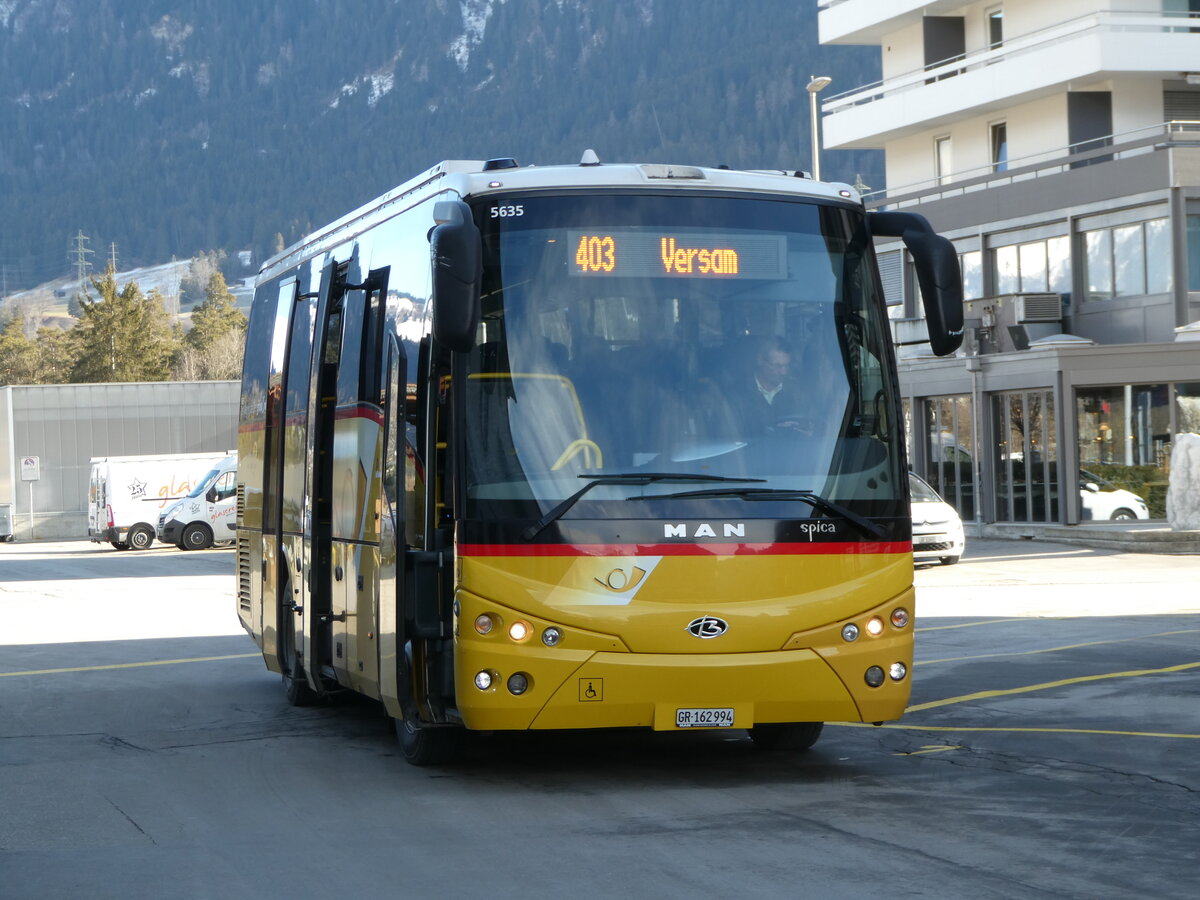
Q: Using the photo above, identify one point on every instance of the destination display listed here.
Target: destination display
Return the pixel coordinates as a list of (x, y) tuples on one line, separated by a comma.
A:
[(647, 253)]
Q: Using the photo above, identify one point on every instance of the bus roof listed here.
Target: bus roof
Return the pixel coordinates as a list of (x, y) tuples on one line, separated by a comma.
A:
[(471, 178)]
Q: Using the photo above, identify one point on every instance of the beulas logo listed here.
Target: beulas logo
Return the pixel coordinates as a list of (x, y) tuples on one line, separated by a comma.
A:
[(704, 530), (707, 627)]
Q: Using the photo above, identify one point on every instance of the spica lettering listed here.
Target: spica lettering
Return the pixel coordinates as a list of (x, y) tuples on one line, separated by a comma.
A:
[(811, 528), (688, 260)]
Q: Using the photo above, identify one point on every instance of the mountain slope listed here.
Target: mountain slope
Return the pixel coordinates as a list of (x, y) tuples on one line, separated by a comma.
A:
[(167, 128)]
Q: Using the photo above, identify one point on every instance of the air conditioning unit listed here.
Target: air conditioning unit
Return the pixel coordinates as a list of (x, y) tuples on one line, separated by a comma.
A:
[(1010, 321), (1036, 308)]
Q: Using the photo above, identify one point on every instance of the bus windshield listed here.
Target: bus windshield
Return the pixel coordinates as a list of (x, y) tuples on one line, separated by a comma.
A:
[(710, 337)]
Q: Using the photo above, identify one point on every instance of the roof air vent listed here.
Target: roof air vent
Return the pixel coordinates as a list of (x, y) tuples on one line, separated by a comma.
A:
[(503, 162), (659, 171)]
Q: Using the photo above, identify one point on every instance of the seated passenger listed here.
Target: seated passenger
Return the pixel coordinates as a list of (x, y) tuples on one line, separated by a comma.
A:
[(769, 397)]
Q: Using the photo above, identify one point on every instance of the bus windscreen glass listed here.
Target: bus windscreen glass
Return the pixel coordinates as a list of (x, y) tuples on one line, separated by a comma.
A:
[(737, 337)]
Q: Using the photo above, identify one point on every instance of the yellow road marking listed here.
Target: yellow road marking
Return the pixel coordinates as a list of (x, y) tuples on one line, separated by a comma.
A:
[(930, 662), (985, 695), (135, 665), (931, 748)]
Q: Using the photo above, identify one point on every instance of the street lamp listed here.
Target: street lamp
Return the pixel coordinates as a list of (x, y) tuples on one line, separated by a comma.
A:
[(816, 84)]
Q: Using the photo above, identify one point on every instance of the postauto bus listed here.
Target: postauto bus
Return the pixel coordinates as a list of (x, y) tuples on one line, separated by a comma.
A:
[(585, 446)]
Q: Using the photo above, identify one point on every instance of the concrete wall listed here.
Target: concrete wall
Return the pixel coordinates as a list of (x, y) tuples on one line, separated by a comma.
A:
[(66, 425)]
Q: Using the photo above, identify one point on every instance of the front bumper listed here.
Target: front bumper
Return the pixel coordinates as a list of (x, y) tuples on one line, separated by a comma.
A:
[(592, 681)]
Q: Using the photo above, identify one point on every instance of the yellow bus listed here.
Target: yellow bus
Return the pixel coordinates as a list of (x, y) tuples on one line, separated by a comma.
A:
[(585, 446)]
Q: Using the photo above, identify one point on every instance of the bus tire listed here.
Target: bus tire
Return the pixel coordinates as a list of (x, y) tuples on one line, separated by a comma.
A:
[(794, 736), (296, 689), (140, 537), (429, 745), (118, 545), (196, 536)]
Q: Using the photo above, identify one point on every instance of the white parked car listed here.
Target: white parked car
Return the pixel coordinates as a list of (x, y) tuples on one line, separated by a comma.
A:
[(937, 529), (1102, 500)]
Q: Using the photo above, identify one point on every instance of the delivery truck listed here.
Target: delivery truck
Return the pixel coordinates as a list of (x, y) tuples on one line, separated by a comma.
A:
[(126, 494), (207, 515)]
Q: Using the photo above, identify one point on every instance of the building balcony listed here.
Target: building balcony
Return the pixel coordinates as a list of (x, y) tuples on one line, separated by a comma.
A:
[(869, 21), (1179, 141), (1079, 52)]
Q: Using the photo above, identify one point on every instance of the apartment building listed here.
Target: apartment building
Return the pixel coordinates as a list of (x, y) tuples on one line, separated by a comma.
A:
[(1057, 143)]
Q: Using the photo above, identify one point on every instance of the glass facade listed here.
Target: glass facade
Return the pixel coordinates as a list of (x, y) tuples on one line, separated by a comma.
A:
[(1026, 480), (1187, 408), (1124, 434), (951, 451)]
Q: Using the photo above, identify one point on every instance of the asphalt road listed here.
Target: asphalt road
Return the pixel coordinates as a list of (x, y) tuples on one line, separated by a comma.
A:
[(1051, 750)]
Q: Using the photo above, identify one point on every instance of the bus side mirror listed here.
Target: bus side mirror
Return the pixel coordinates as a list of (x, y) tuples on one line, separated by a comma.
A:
[(456, 251), (938, 275)]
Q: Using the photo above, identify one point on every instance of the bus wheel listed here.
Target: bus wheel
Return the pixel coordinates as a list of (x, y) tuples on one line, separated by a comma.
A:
[(295, 686), (795, 736), (196, 537), (140, 537), (117, 545), (429, 745)]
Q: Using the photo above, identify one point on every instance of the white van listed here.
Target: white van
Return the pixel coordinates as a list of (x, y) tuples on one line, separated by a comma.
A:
[(126, 494), (208, 514)]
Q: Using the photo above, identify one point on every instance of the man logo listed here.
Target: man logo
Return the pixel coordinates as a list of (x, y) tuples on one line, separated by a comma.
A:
[(707, 627)]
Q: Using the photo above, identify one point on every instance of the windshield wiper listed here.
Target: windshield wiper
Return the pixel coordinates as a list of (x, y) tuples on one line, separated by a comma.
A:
[(634, 478), (813, 499)]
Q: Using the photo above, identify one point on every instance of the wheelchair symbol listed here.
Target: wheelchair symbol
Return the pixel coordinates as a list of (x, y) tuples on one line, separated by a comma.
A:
[(591, 690)]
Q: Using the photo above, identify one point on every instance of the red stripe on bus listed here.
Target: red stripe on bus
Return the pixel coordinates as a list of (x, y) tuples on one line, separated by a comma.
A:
[(830, 548), (360, 411)]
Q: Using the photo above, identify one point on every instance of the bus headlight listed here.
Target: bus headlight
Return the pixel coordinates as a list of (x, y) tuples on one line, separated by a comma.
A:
[(483, 680), (874, 676), (897, 671), (520, 631), (900, 617), (874, 626), (484, 624), (850, 632), (551, 636)]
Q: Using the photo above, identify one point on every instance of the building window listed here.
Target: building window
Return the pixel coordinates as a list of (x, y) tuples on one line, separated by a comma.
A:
[(1026, 451), (999, 145), (1187, 408), (891, 276), (950, 448), (1058, 264), (1193, 252), (1099, 264), (941, 159), (1128, 260), (1124, 435), (995, 28), (1032, 259), (971, 266), (1035, 267)]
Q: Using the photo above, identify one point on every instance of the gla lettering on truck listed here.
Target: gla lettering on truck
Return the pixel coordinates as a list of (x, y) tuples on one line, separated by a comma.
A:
[(206, 516)]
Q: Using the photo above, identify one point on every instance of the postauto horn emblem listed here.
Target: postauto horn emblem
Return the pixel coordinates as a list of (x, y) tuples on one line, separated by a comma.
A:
[(707, 627)]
